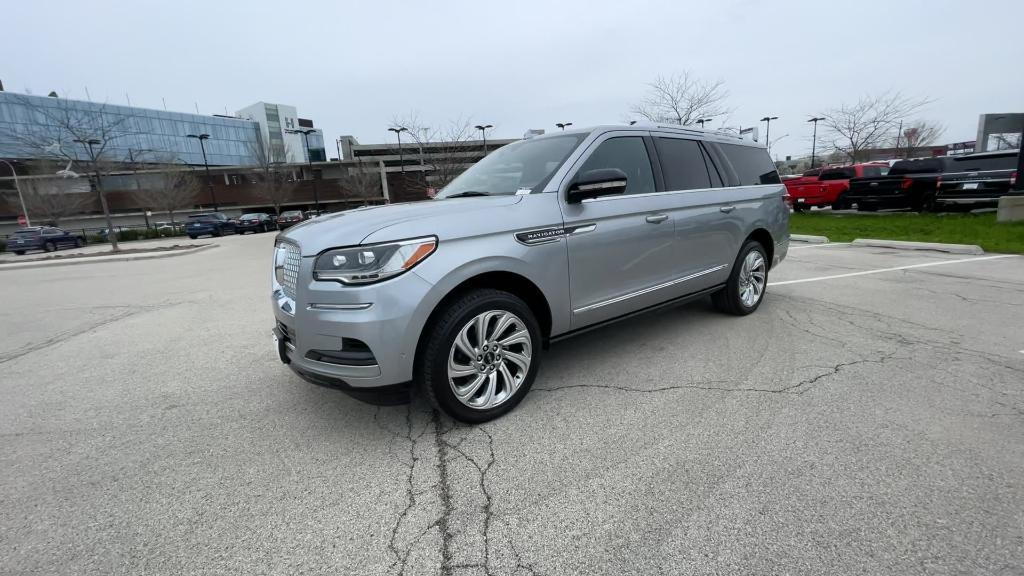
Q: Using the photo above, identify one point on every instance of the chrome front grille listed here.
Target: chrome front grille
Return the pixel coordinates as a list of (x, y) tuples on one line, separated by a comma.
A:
[(292, 259)]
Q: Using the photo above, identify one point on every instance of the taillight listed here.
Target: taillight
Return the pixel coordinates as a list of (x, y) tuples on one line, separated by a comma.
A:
[(938, 182), (1013, 179), (906, 183), (787, 199)]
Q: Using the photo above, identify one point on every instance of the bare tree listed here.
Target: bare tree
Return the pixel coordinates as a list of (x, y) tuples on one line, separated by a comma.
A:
[(443, 152), (51, 198), (168, 189), (87, 136), (361, 182), (918, 134), (868, 123), (272, 180), (682, 99)]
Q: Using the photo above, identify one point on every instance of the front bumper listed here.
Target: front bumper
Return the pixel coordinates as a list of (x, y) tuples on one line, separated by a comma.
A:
[(325, 315)]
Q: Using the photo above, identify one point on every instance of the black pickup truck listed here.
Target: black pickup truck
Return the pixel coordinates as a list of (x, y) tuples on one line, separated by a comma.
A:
[(977, 180), (909, 184)]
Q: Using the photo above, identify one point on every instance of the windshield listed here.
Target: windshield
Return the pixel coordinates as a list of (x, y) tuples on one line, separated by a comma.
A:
[(291, 213), (519, 166), (250, 216)]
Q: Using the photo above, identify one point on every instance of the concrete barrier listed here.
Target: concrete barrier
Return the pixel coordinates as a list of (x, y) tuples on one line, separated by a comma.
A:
[(1011, 209), (808, 239)]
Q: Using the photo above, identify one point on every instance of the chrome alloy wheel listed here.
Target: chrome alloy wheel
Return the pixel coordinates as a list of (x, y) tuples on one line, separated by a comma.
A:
[(752, 278), (489, 359)]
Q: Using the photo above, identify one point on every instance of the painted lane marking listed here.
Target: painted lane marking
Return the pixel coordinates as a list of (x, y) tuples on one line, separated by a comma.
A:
[(880, 270)]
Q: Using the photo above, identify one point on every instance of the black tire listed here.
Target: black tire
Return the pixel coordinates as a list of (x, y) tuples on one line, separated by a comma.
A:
[(728, 299), (799, 207), (19, 252), (79, 242), (440, 335), (841, 202), (217, 234), (866, 207), (49, 247), (191, 237), (928, 204)]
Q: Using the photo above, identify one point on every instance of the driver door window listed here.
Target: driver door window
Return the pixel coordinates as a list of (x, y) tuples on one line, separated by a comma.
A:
[(628, 154)]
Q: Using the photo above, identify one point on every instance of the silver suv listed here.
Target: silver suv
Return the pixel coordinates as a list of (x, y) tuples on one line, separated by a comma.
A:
[(538, 241)]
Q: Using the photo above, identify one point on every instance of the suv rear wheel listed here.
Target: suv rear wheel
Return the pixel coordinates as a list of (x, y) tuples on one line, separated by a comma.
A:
[(481, 355), (747, 282)]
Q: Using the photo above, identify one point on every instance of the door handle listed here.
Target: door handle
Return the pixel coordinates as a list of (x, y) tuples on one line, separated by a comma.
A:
[(656, 218), (727, 209)]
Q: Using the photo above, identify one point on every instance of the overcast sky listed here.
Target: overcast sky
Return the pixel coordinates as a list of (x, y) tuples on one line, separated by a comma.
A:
[(352, 66)]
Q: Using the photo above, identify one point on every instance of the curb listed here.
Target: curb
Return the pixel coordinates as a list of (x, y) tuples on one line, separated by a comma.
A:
[(102, 259), (809, 239), (902, 245)]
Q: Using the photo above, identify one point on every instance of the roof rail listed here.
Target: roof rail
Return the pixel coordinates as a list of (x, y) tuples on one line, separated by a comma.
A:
[(696, 131)]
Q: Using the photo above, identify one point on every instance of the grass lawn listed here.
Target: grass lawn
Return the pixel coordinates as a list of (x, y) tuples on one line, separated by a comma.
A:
[(979, 229)]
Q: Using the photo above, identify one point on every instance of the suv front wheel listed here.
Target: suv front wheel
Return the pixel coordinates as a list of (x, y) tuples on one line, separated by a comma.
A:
[(747, 282), (480, 356)]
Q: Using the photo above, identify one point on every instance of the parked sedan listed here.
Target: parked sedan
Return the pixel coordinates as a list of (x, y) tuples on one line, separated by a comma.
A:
[(209, 223), (45, 238), (289, 218), (255, 222)]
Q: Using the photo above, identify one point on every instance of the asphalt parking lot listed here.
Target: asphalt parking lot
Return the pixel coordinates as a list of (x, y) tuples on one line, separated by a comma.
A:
[(868, 419)]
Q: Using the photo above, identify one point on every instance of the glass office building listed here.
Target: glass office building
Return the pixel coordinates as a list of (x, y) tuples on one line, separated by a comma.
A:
[(36, 127)]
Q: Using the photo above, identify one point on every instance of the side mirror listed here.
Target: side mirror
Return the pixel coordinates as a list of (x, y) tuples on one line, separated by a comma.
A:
[(596, 183)]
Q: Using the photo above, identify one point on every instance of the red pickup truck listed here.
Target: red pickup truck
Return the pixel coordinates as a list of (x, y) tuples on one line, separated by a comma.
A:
[(828, 186)]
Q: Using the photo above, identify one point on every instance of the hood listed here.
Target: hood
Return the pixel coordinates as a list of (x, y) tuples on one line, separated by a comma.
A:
[(352, 227)]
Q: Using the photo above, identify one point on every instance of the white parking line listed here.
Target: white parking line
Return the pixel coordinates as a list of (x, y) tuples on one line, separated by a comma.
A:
[(880, 270), (791, 247)]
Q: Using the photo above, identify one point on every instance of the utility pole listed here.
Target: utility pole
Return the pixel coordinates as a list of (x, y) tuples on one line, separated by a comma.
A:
[(899, 132), (767, 131), (309, 160), (483, 132), (398, 132), (814, 139), (209, 181)]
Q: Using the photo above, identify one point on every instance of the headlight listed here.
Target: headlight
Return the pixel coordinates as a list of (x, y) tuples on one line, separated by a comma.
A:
[(373, 263)]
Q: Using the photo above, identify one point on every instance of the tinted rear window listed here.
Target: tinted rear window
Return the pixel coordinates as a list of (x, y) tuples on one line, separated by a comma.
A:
[(27, 232), (203, 218), (926, 166), (291, 213), (251, 216), (682, 163), (968, 164), (752, 164), (838, 173)]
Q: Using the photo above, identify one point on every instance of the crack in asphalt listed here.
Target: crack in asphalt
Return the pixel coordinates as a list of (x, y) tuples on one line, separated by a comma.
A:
[(61, 337)]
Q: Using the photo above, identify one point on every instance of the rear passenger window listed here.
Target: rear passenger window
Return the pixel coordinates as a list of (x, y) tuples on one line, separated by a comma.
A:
[(682, 163), (752, 164), (629, 155), (837, 174)]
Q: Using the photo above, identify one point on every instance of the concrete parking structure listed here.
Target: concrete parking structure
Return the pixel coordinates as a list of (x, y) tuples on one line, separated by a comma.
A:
[(869, 418)]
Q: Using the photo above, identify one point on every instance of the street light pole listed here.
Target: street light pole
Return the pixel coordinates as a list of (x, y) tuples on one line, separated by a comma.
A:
[(768, 130), (88, 145), (483, 131), (703, 120), (814, 139), (562, 125), (309, 160), (209, 181), (398, 132), (17, 187)]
